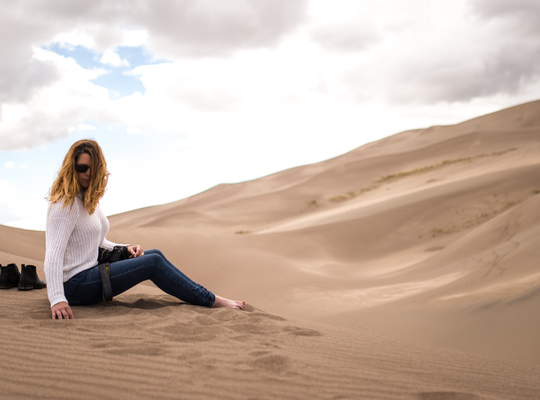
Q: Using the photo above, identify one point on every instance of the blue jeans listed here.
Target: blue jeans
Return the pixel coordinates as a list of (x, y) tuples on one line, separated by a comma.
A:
[(85, 287)]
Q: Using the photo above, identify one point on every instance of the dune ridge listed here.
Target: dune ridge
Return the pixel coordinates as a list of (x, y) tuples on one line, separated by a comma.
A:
[(404, 269)]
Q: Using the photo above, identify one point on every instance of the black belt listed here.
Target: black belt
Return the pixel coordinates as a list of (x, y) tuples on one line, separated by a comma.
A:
[(105, 274)]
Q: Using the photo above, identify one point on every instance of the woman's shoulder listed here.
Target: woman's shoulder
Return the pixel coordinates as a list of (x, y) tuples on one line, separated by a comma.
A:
[(64, 208)]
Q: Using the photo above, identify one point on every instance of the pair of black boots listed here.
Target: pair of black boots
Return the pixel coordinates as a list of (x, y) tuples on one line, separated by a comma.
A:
[(27, 279)]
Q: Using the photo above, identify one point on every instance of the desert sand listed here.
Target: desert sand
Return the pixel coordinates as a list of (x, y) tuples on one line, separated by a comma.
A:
[(405, 269)]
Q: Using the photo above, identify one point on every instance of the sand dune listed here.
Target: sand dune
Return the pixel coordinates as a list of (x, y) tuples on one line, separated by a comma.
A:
[(406, 268), (400, 235)]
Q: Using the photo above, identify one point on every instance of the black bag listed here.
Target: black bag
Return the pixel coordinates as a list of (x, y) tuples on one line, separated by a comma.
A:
[(105, 258), (118, 253)]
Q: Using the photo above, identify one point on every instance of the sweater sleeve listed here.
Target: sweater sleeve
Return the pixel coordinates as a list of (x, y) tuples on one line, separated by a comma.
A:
[(107, 244), (60, 224)]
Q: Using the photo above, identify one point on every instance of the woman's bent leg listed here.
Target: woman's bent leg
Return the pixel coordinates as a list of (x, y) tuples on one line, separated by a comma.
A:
[(155, 267), (84, 288)]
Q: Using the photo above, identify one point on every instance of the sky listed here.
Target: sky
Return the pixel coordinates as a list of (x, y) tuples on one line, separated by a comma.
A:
[(183, 95)]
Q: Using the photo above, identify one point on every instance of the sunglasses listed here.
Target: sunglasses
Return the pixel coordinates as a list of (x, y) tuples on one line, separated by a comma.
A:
[(82, 168)]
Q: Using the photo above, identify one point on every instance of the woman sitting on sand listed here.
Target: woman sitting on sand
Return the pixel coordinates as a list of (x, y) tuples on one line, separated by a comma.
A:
[(76, 228)]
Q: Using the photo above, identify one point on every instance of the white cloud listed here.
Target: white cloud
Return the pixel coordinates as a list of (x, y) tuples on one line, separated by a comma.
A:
[(30, 81), (521, 9), (18, 211), (352, 54), (135, 38), (201, 27), (76, 37), (267, 55), (7, 187), (447, 55), (111, 58), (9, 164), (210, 28), (53, 111), (350, 36), (20, 73)]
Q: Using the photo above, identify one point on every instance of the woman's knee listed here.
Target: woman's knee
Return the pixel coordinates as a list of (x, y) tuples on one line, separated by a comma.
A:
[(144, 267), (154, 251), (156, 261)]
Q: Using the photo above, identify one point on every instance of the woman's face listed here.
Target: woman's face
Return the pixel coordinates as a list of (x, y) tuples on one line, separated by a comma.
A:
[(84, 177)]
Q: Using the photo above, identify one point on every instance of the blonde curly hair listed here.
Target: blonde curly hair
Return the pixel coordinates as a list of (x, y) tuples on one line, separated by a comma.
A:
[(66, 186)]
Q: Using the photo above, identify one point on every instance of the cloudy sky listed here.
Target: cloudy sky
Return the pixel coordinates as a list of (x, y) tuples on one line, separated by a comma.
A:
[(186, 94)]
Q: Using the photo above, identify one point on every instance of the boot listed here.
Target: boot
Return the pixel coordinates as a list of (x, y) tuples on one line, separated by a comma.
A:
[(29, 279), (9, 276)]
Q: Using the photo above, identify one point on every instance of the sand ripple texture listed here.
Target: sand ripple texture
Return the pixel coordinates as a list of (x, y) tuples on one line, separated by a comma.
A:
[(149, 346)]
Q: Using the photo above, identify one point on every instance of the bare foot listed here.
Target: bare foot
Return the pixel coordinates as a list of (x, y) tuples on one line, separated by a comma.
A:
[(223, 302)]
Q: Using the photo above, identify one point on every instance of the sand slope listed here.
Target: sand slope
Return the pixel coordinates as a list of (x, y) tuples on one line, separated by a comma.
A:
[(365, 265), (428, 235)]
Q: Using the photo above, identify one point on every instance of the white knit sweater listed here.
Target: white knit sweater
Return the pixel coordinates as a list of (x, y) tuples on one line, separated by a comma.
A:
[(72, 239)]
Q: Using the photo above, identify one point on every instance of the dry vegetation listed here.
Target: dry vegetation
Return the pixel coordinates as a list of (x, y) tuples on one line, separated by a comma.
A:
[(399, 175), (478, 219)]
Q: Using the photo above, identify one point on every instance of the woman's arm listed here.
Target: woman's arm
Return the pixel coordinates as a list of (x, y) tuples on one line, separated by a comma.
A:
[(60, 224)]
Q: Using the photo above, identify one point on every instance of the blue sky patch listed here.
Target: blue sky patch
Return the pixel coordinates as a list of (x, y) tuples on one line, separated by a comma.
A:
[(85, 57), (118, 83), (136, 56)]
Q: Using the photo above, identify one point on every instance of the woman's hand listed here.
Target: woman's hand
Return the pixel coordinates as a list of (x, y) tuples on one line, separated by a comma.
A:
[(135, 251), (62, 310)]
